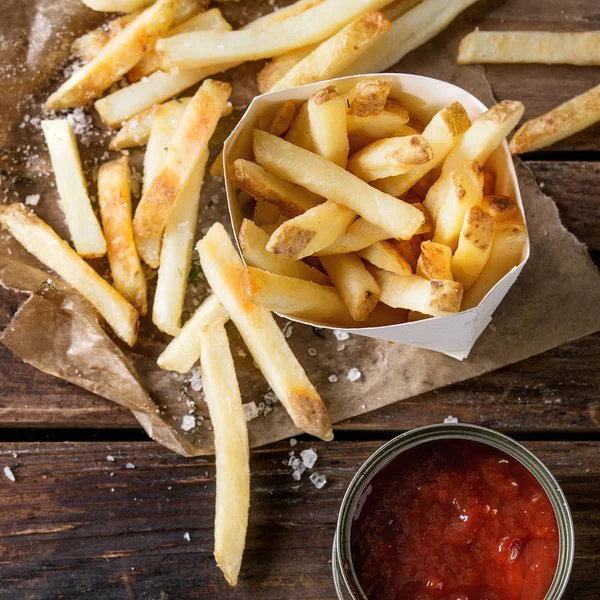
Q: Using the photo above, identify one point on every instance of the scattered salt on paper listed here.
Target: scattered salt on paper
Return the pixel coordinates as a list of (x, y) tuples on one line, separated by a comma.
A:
[(341, 336), (288, 329), (293, 442), (250, 410), (271, 398), (130, 466), (341, 346), (332, 379), (110, 458), (309, 457), (188, 423), (32, 199), (9, 474), (451, 419), (354, 374), (312, 351), (186, 537), (318, 480), (196, 379)]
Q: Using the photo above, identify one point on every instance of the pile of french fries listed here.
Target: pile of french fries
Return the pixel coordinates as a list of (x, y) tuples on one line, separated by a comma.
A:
[(358, 215)]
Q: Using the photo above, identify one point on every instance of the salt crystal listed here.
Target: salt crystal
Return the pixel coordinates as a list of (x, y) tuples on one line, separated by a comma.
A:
[(341, 336), (296, 475), (14, 455), (250, 410), (294, 462), (112, 489), (332, 379), (293, 442), (130, 466), (196, 379), (9, 474), (186, 537), (270, 398), (318, 480), (32, 199), (341, 347), (110, 458), (354, 374), (451, 419), (188, 423), (309, 457), (288, 329), (312, 352), (464, 518)]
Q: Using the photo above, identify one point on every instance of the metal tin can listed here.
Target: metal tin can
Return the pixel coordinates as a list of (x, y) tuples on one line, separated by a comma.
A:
[(344, 577)]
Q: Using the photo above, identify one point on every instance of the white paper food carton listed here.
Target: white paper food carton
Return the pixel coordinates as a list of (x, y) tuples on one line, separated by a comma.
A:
[(453, 335)]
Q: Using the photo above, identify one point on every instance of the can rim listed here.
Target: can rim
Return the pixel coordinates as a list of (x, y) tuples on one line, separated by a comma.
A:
[(343, 573)]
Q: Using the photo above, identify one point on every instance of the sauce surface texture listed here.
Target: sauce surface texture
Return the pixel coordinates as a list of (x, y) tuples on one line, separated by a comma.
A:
[(454, 520)]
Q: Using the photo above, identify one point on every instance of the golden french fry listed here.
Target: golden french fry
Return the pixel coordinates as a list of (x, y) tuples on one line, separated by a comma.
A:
[(200, 49), (507, 248), (289, 200), (442, 133), (500, 207), (428, 224), (299, 133), (278, 66), (216, 167), (164, 124), (283, 118), (253, 243), (390, 156), (277, 16), (88, 45), (474, 246), (184, 349), (51, 250), (135, 132), (297, 298), (364, 130), (386, 256), (355, 284), (567, 119), (544, 47), (189, 142), (114, 197), (435, 297), (360, 235), (83, 225), (489, 183), (119, 55), (434, 261), (398, 8), (327, 179), (311, 231), (186, 19), (327, 119), (126, 6), (224, 272), (333, 56), (368, 97), (222, 394), (265, 213)]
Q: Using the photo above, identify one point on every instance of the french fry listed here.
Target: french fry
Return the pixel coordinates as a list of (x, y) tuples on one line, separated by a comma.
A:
[(333, 56), (500, 207), (216, 167), (114, 197), (189, 142), (51, 250), (126, 6), (507, 247), (283, 118), (277, 16), (565, 120), (407, 32), (74, 200), (442, 133), (410, 249), (386, 256), (489, 183), (355, 284), (289, 200), (164, 124), (434, 261), (297, 297), (253, 243), (398, 8), (327, 179), (360, 235), (176, 253), (184, 349), (186, 19), (222, 394), (119, 55), (364, 130), (135, 131), (278, 66), (435, 297), (327, 118), (299, 133), (390, 156), (265, 213), (200, 49), (474, 246), (368, 97), (88, 45), (465, 191), (311, 231), (224, 272), (545, 47), (428, 224)]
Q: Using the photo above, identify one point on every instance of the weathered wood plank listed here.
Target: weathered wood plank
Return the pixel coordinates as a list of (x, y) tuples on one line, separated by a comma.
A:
[(64, 533)]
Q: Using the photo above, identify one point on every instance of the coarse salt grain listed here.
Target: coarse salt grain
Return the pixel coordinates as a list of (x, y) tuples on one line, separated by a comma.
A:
[(341, 346), (309, 457), (312, 352), (332, 379), (341, 336), (354, 374), (293, 442), (196, 379), (32, 199), (9, 474), (186, 537), (318, 480), (451, 419), (130, 466), (110, 458), (188, 423), (250, 410)]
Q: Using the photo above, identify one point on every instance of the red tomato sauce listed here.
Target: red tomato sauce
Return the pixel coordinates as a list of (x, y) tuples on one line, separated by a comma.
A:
[(454, 520)]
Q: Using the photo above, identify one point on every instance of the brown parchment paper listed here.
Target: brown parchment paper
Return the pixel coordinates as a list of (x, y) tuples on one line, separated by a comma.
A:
[(556, 299)]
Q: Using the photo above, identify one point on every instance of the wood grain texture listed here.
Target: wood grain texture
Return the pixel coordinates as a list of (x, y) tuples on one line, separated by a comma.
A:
[(65, 534)]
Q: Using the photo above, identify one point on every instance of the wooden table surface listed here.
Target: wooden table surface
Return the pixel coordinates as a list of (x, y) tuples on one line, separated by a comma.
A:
[(76, 525)]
